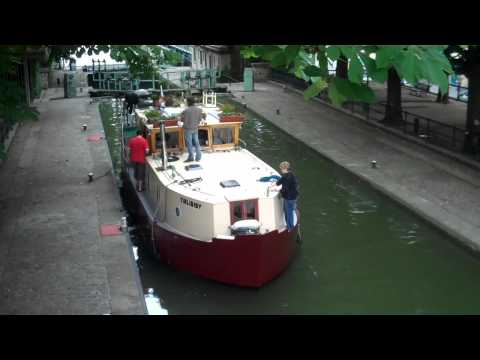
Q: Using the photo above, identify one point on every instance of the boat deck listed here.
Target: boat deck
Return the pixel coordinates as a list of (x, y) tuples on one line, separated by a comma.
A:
[(216, 167)]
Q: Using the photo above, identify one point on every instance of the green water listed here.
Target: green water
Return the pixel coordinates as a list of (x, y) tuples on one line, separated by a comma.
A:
[(362, 253)]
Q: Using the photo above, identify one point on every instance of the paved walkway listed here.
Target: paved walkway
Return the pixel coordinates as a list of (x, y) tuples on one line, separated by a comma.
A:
[(454, 113), (52, 257), (442, 191)]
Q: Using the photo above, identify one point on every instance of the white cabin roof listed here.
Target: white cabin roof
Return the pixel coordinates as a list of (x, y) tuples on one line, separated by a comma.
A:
[(239, 165)]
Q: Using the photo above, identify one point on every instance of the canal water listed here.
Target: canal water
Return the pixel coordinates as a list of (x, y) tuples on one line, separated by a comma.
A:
[(362, 253)]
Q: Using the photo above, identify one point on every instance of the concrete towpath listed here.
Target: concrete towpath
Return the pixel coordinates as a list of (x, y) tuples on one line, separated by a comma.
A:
[(53, 259), (454, 113), (442, 191)]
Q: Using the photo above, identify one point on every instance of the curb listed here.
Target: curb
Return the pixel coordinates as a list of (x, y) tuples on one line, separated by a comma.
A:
[(126, 235)]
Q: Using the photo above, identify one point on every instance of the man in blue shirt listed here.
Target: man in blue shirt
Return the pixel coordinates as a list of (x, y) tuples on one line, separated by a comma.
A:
[(289, 192)]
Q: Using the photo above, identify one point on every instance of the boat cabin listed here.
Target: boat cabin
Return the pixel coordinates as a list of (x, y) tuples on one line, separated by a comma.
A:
[(217, 132)]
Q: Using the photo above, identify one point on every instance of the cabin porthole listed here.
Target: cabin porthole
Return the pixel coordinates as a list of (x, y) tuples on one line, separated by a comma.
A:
[(177, 211)]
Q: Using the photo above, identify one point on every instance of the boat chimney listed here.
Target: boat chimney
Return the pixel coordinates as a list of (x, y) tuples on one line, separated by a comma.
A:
[(164, 146)]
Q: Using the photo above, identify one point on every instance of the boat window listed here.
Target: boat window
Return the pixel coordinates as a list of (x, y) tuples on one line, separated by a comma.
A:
[(158, 140), (250, 209), (203, 137), (223, 135), (237, 211), (172, 140), (243, 210)]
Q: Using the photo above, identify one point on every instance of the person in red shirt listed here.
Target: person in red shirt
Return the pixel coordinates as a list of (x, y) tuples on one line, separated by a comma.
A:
[(138, 150)]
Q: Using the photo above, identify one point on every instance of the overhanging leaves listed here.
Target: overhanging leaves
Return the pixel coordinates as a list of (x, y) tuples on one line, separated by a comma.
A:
[(355, 70), (336, 97), (333, 52), (341, 90), (409, 61), (315, 88), (312, 70)]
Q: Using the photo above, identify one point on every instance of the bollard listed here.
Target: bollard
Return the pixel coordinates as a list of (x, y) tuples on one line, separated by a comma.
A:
[(374, 164), (123, 224), (84, 126), (90, 177)]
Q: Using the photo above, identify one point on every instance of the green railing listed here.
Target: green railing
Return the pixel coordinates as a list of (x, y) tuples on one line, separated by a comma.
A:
[(185, 80)]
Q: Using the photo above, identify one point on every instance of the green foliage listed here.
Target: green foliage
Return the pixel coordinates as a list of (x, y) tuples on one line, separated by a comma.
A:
[(310, 63), (228, 109), (356, 71), (315, 88), (153, 115), (333, 52), (13, 107), (140, 59)]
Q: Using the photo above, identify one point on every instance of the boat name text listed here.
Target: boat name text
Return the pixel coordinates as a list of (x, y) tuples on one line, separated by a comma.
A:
[(190, 203)]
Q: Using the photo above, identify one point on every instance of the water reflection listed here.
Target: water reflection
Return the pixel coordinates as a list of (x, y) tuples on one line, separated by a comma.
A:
[(153, 302)]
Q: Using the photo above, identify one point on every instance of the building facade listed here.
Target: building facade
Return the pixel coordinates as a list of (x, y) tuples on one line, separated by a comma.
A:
[(210, 56)]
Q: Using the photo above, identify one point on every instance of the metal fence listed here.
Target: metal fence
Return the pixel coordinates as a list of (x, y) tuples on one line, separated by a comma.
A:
[(103, 67), (455, 91), (431, 131)]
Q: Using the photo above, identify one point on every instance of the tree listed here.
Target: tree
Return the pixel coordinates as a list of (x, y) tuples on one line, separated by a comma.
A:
[(342, 67), (236, 62), (310, 62), (393, 114), (13, 106), (139, 58)]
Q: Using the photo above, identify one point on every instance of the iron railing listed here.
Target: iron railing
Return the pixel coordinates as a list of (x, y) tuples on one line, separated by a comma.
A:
[(455, 91), (184, 79)]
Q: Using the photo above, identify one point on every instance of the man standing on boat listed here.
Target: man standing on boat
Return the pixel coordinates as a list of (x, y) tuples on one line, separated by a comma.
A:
[(289, 192), (138, 150), (191, 118), (131, 99)]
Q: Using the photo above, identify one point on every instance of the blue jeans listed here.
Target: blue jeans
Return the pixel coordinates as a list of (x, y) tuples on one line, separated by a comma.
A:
[(191, 138), (289, 207)]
